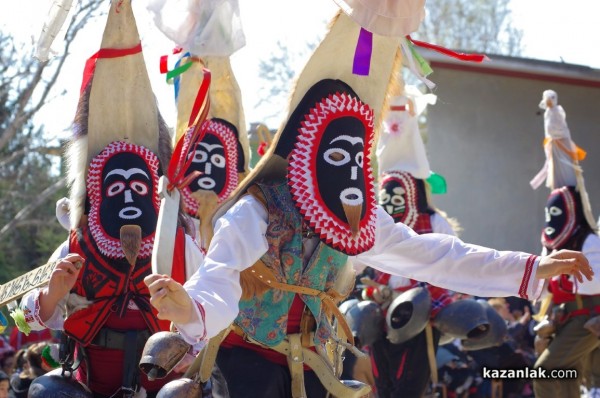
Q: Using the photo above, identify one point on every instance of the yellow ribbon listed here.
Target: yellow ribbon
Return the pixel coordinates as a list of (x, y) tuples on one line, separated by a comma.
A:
[(578, 154)]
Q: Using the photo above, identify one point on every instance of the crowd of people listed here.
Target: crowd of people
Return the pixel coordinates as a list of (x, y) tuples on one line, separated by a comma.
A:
[(460, 369), (23, 358)]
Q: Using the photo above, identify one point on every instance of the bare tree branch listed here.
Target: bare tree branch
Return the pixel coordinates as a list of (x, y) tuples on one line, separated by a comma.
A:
[(34, 70), (54, 151), (26, 87), (471, 25), (27, 210)]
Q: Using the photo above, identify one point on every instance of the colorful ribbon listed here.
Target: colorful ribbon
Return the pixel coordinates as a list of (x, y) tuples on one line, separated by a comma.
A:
[(453, 54), (90, 64), (575, 154), (362, 54), (437, 183), (180, 162)]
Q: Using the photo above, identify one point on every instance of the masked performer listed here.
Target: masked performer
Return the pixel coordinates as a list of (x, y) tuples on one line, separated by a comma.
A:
[(567, 226), (221, 156), (308, 206), (120, 147), (207, 36)]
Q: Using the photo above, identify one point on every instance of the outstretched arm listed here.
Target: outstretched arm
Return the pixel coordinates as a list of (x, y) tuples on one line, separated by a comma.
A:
[(448, 262)]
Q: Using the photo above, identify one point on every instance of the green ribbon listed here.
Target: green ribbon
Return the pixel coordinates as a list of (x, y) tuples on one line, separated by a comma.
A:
[(19, 316), (178, 71), (437, 184), (422, 64)]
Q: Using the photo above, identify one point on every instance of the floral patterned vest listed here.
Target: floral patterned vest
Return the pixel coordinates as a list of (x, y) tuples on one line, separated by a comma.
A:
[(264, 318)]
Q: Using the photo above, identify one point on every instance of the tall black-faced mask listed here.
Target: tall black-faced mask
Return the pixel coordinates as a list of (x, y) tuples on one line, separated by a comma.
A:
[(563, 217), (329, 173), (122, 190), (217, 158), (403, 197)]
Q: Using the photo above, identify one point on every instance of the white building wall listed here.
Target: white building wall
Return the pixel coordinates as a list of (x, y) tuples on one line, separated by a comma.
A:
[(485, 137)]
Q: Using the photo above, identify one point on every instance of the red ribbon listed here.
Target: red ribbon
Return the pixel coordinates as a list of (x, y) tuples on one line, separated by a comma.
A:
[(453, 54), (90, 64), (179, 164), (164, 68), (164, 64)]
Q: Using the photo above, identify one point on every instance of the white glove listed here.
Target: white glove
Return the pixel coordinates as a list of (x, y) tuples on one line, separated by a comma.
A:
[(62, 213)]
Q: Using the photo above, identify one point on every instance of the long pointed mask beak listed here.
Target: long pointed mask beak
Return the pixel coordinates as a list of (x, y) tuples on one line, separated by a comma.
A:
[(352, 203)]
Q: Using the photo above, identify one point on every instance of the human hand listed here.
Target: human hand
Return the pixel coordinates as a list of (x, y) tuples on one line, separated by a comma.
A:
[(61, 282), (169, 298), (64, 276), (565, 262)]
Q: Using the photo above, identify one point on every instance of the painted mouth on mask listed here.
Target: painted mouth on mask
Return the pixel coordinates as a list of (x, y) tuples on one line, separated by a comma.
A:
[(351, 197), (206, 183), (130, 213)]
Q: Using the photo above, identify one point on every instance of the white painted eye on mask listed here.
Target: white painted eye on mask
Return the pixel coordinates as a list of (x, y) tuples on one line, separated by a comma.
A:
[(141, 188), (336, 156), (555, 211), (200, 156), (384, 197), (115, 189), (218, 160), (398, 198), (359, 159)]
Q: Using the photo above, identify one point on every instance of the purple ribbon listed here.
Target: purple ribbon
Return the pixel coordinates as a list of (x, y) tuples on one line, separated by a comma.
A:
[(362, 54)]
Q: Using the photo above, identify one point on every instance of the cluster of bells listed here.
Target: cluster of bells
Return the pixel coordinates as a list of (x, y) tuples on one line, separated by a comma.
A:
[(472, 321), (476, 323)]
